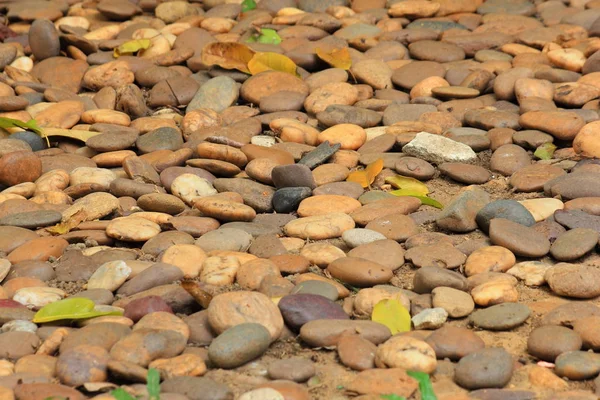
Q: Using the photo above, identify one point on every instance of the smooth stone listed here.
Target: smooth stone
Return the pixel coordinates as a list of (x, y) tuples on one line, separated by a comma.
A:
[(460, 215), (438, 149), (465, 173), (326, 332), (294, 369), (486, 368), (229, 239), (385, 252), (298, 309), (454, 343), (577, 365), (428, 278), (574, 243), (506, 209), (571, 280), (196, 388), (238, 345), (548, 342), (286, 200), (32, 219), (320, 288), (357, 237), (359, 272), (501, 317)]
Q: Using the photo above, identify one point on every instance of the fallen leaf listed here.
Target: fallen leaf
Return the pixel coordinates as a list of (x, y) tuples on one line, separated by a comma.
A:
[(65, 227), (130, 47), (337, 58), (392, 314), (366, 177), (271, 61), (30, 125), (248, 5), (428, 201), (70, 133), (408, 183), (265, 36), (425, 386), (545, 151), (71, 308), (228, 56)]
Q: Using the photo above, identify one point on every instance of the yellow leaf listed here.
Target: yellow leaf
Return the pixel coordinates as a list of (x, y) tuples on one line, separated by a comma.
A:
[(337, 58), (130, 47), (392, 314), (366, 176), (70, 133), (271, 61), (407, 183), (65, 227), (228, 56)]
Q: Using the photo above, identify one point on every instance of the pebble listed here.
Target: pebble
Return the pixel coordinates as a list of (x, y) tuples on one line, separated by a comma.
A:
[(438, 149), (520, 239), (548, 342), (454, 343), (431, 318), (500, 317), (570, 280), (574, 243), (408, 353), (293, 369), (238, 345), (485, 368)]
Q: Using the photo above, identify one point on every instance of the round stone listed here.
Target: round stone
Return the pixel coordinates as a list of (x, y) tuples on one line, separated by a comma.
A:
[(548, 342), (501, 317), (238, 345), (571, 280), (485, 368)]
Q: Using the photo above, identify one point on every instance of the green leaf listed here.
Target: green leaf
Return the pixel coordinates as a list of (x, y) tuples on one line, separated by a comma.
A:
[(248, 5), (392, 397), (30, 125), (130, 47), (428, 201), (153, 384), (265, 36), (545, 151), (71, 308), (425, 386), (392, 314), (408, 183), (121, 394)]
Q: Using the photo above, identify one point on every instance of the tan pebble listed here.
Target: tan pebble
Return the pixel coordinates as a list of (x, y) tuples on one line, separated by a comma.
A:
[(408, 353), (251, 274), (109, 276), (349, 136), (224, 210), (291, 130), (292, 245), (319, 227), (489, 259), (132, 229), (183, 365), (37, 297), (495, 292), (187, 257), (570, 59), (413, 9), (331, 93), (162, 320), (102, 116), (321, 254), (327, 204), (367, 299), (219, 271), (425, 87)]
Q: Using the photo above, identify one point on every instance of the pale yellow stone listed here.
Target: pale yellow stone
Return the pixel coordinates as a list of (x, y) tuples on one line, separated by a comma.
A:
[(219, 271), (187, 257)]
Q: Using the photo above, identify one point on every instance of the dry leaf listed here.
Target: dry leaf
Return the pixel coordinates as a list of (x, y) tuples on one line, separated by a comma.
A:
[(130, 47), (228, 56), (337, 58), (271, 61), (392, 314), (407, 183), (70, 133), (366, 176)]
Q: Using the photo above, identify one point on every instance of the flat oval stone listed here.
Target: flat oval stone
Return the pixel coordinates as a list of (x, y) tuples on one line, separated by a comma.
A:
[(505, 209), (570, 280), (359, 272), (454, 343), (577, 365), (238, 345), (465, 173), (486, 368), (327, 332), (548, 342), (501, 317), (574, 243), (32, 219), (298, 309)]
